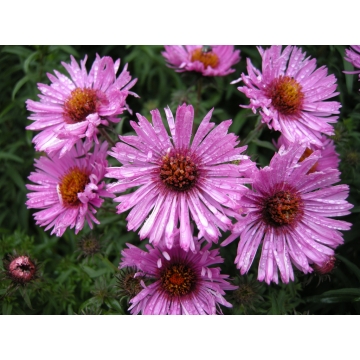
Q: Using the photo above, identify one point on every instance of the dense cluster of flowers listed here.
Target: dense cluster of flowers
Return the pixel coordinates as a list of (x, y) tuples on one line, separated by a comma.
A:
[(195, 179)]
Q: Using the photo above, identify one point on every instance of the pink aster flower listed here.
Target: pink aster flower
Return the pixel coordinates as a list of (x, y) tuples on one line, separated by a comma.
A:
[(175, 177), (214, 60), (290, 94), (328, 158), (69, 189), (289, 212), (184, 282), (73, 109), (353, 57)]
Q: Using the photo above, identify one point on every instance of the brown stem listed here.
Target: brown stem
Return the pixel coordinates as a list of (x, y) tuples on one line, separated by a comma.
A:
[(106, 136)]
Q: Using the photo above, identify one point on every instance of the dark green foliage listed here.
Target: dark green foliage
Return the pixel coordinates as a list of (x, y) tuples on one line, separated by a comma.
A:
[(74, 281)]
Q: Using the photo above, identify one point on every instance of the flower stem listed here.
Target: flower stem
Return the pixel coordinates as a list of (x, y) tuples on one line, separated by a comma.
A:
[(199, 88), (253, 134), (106, 136)]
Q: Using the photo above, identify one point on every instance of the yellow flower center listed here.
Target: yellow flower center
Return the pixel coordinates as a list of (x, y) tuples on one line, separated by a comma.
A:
[(72, 183), (80, 104), (286, 95), (208, 58)]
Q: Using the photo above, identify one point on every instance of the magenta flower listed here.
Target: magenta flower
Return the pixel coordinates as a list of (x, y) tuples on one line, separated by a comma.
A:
[(184, 283), (73, 109), (68, 189), (288, 212), (328, 158), (290, 94), (214, 60), (174, 177), (353, 57)]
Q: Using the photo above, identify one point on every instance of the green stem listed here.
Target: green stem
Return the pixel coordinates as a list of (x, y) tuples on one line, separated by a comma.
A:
[(107, 261), (199, 88), (253, 134)]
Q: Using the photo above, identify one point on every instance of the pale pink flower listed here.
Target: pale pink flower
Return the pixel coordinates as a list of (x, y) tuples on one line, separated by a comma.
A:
[(214, 60), (178, 179), (185, 283), (290, 94), (73, 108), (69, 189), (288, 213)]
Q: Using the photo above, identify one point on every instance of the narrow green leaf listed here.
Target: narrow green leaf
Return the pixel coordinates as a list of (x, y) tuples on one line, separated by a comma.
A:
[(9, 156), (28, 61), (89, 302), (64, 275), (114, 304), (14, 175), (239, 121), (17, 50), (6, 308), (5, 111), (350, 265), (69, 49), (335, 296), (18, 86), (264, 144), (94, 273), (26, 298)]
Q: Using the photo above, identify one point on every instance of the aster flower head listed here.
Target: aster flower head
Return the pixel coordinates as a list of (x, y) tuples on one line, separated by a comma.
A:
[(73, 108), (69, 189), (214, 60), (353, 57), (184, 282), (328, 159), (289, 212), (290, 94), (178, 179)]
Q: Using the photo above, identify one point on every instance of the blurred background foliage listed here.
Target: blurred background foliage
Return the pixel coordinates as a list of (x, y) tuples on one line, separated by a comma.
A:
[(78, 274)]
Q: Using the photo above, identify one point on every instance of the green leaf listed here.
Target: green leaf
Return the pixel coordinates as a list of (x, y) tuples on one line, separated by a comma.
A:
[(94, 301), (264, 144), (66, 48), (350, 265), (9, 156), (64, 275), (5, 111), (18, 86), (14, 175), (94, 273), (28, 61), (239, 121), (6, 308), (17, 50), (114, 304), (26, 298), (339, 295)]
